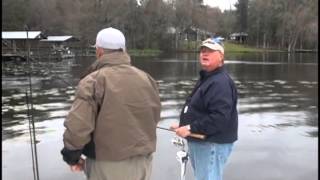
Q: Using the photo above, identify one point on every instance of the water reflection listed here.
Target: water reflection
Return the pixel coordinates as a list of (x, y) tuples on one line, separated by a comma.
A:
[(273, 86), (263, 86), (282, 57), (47, 97), (278, 99)]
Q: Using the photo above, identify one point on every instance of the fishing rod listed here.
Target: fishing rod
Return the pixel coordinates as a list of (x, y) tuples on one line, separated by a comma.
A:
[(31, 135), (64, 81), (30, 115), (194, 135)]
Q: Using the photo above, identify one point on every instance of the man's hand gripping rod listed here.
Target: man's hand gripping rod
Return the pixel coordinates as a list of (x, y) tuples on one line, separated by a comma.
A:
[(194, 135)]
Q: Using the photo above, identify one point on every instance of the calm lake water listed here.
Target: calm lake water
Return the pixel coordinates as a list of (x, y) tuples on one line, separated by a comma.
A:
[(278, 115)]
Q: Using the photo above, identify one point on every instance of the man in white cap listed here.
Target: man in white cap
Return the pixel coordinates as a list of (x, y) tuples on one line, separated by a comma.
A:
[(211, 110), (114, 116)]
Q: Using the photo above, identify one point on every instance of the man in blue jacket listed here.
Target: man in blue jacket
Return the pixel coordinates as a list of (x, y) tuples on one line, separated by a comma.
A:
[(211, 110)]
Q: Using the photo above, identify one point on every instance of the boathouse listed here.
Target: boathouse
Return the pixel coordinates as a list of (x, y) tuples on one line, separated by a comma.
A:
[(58, 42), (239, 37), (61, 45), (15, 41), (15, 44)]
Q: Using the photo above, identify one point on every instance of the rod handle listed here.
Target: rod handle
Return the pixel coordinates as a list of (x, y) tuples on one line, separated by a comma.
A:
[(198, 136)]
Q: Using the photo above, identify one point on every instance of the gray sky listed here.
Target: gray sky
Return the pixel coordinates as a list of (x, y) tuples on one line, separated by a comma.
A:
[(222, 4)]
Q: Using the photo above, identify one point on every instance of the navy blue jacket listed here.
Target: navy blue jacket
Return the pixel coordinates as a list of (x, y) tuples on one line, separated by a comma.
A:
[(211, 109)]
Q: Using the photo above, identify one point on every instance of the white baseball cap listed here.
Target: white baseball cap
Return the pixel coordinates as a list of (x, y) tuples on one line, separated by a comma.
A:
[(110, 38), (212, 44)]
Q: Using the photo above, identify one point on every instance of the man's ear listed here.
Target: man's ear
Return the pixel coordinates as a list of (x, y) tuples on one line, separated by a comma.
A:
[(99, 52), (221, 55), (221, 59)]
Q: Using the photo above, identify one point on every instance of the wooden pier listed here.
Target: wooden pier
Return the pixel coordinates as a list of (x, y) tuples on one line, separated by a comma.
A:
[(16, 44), (13, 57)]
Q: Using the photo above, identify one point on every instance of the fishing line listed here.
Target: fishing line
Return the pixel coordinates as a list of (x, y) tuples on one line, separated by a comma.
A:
[(30, 135), (64, 81), (31, 122), (30, 115)]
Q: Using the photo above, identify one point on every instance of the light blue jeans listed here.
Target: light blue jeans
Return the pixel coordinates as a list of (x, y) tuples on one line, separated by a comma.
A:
[(208, 159)]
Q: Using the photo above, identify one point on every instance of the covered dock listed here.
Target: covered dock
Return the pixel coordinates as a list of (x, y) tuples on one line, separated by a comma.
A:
[(14, 43), (60, 46), (240, 37)]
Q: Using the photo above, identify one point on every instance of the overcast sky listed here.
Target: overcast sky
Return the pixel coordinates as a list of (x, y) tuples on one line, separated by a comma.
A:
[(222, 4)]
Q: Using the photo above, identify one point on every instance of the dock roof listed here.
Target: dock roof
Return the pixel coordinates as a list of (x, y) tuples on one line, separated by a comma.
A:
[(59, 39), (22, 35)]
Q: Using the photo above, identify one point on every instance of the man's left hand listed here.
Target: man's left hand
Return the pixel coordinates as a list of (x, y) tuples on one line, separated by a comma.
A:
[(183, 131), (78, 167)]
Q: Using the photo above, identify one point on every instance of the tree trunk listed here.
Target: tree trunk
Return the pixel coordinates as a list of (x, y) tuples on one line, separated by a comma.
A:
[(294, 43), (289, 47), (134, 42), (282, 41), (264, 40), (176, 39), (258, 33)]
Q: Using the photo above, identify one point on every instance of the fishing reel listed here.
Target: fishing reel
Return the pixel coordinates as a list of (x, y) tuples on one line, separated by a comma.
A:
[(182, 155), (177, 141)]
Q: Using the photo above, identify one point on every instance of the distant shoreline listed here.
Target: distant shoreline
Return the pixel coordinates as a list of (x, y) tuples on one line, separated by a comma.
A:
[(229, 48)]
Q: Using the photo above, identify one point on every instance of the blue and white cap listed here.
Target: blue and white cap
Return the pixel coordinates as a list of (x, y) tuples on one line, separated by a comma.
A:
[(214, 44)]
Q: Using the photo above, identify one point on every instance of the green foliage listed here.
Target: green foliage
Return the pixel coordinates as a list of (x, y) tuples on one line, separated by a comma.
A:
[(144, 52), (242, 15), (14, 14), (283, 23), (276, 24), (190, 45), (232, 47), (228, 47)]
